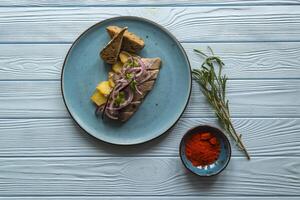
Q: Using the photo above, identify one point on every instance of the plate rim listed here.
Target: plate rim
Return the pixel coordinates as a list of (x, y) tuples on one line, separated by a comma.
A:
[(138, 19)]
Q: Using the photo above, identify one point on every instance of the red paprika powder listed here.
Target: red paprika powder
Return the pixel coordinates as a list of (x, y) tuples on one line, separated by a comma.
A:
[(202, 149)]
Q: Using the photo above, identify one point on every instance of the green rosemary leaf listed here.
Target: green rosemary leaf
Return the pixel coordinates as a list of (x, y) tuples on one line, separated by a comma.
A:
[(213, 86), (120, 98), (198, 51), (133, 85), (210, 49)]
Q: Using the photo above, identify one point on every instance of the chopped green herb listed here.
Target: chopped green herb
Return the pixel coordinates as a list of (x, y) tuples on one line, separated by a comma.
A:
[(129, 76), (133, 84), (120, 98), (132, 63), (135, 63)]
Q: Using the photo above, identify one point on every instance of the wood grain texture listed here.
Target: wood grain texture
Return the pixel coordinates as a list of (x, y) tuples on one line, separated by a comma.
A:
[(61, 137), (31, 61), (145, 2), (252, 98), (45, 155), (145, 176), (53, 24), (248, 98), (251, 60)]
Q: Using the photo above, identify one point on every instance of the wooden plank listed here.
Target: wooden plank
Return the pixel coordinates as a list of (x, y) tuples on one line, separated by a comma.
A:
[(31, 61), (54, 24), (248, 98), (31, 99), (251, 60), (119, 176), (145, 2), (61, 137)]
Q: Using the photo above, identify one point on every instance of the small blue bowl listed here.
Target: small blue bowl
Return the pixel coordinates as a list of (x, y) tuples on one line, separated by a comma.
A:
[(224, 156)]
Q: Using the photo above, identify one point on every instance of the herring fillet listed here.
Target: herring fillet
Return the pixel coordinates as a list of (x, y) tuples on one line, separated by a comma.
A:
[(145, 88)]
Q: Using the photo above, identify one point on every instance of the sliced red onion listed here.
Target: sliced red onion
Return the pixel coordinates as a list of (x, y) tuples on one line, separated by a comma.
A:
[(124, 85), (131, 59), (133, 69), (122, 80), (144, 79), (140, 75), (142, 67), (125, 65), (126, 102), (137, 90), (108, 114), (119, 87), (123, 70), (111, 105)]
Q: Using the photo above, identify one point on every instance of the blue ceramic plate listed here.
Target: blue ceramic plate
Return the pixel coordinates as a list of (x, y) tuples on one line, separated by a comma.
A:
[(83, 70), (220, 164)]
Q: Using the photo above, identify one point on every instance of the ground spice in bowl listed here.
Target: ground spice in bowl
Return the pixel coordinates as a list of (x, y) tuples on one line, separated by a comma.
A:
[(202, 149)]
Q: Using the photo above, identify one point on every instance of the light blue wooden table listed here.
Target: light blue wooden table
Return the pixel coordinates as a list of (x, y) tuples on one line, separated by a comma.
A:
[(44, 155)]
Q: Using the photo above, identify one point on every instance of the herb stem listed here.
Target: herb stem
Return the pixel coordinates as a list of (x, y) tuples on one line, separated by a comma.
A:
[(213, 86)]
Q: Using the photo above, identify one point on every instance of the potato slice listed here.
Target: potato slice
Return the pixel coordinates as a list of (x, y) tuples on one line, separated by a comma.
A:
[(104, 88), (111, 79), (110, 74), (124, 56), (98, 98), (111, 82), (117, 67)]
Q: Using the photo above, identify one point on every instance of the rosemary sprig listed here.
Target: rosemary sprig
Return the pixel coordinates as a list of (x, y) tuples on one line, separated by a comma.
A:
[(213, 86)]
